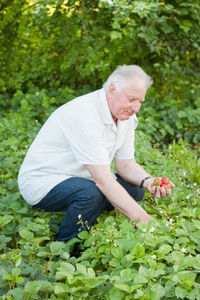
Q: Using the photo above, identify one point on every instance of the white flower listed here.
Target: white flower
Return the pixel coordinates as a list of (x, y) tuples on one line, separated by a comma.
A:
[(167, 224), (180, 178), (183, 250), (195, 184), (161, 211), (177, 160), (170, 220), (115, 245), (184, 174), (37, 94), (144, 230), (153, 256), (79, 216), (170, 147), (188, 196), (152, 229), (107, 240)]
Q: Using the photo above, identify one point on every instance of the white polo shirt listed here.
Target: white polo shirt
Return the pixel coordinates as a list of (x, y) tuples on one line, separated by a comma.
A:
[(80, 132)]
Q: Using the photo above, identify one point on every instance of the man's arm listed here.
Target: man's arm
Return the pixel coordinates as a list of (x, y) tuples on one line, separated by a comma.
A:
[(132, 172), (116, 194)]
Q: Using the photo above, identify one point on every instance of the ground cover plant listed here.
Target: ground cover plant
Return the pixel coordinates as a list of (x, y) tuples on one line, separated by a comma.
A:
[(114, 260)]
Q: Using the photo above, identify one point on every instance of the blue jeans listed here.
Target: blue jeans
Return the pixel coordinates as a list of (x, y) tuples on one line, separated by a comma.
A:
[(79, 196)]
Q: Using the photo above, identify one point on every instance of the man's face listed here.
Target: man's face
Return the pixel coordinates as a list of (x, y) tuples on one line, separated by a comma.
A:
[(127, 101)]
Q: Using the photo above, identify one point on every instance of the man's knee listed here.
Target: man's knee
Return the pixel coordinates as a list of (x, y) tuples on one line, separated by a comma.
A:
[(93, 196)]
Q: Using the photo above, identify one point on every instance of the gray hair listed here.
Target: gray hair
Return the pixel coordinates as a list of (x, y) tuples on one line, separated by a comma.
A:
[(123, 74)]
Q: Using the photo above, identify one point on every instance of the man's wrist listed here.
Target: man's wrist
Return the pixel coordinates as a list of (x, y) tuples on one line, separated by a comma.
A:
[(143, 180)]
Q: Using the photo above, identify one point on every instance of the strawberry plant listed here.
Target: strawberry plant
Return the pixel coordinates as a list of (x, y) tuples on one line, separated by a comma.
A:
[(116, 259)]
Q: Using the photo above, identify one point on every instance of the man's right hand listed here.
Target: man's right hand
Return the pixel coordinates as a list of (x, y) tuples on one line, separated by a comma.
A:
[(157, 191)]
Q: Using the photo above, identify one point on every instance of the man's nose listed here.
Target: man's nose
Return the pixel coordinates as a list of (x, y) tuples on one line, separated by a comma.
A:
[(136, 106)]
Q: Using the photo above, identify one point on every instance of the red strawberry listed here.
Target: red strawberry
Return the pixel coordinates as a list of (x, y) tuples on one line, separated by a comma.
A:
[(166, 186), (157, 182), (165, 180)]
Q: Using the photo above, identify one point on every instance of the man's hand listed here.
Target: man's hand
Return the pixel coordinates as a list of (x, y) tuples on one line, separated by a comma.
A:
[(157, 190), (145, 218)]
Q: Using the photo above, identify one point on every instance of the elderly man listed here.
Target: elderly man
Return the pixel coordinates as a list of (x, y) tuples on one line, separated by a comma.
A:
[(67, 167)]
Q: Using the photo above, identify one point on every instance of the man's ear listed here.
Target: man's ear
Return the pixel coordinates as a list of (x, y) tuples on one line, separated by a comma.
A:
[(112, 88)]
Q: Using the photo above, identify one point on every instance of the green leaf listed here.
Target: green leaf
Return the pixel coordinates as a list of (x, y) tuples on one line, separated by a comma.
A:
[(159, 290), (61, 288), (17, 293), (139, 250), (198, 258), (117, 252), (81, 268), (66, 270), (8, 277), (90, 273), (102, 249), (127, 288), (180, 292), (182, 114), (152, 263), (15, 272), (83, 235), (26, 235), (187, 23), (116, 294), (19, 279), (56, 247), (140, 279), (115, 35), (164, 249), (195, 237), (93, 282), (4, 238), (5, 220), (189, 261), (32, 287), (125, 274)]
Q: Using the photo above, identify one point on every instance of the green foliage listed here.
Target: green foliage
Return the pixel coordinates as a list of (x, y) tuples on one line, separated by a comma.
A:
[(172, 116), (59, 49), (116, 260), (52, 51), (78, 43)]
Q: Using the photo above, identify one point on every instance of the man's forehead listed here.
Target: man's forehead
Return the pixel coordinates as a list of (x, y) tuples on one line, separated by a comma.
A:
[(136, 82)]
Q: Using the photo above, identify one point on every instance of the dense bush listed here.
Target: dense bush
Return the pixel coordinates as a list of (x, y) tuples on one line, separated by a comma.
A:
[(78, 43), (69, 48)]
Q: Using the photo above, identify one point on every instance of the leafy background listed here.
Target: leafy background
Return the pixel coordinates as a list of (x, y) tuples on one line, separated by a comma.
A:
[(53, 51)]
